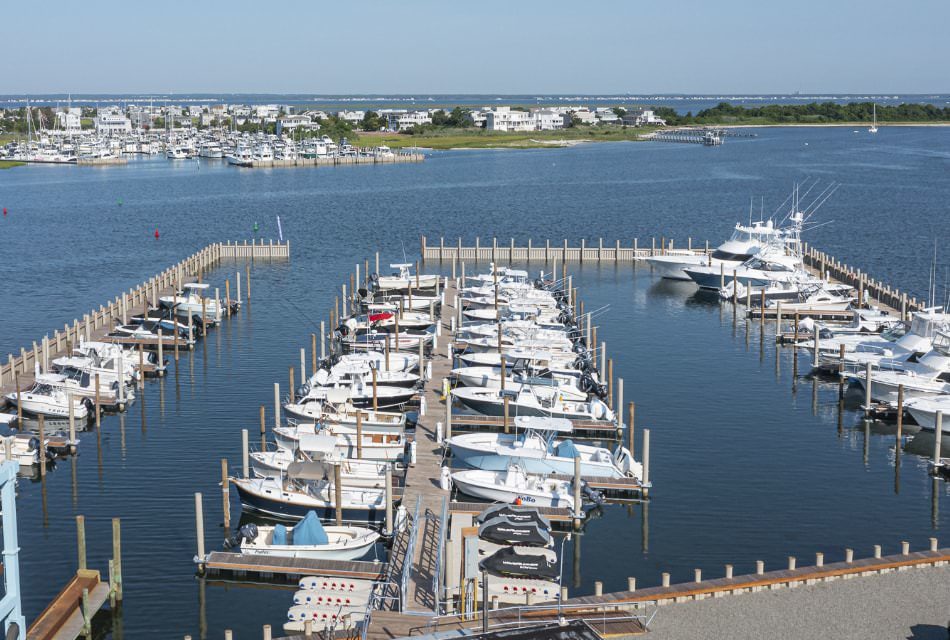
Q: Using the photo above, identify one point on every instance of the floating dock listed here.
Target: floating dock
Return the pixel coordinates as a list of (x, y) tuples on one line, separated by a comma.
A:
[(338, 161), (221, 564)]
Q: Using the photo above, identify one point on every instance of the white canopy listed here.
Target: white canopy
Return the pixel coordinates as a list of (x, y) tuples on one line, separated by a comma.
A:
[(539, 423), (317, 443), (196, 285)]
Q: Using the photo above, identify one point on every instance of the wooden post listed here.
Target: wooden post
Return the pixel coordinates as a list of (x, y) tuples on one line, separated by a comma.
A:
[(646, 458), (313, 353), (248, 281), (98, 403), (303, 365), (618, 408), (42, 426), (245, 466), (938, 436), (338, 493), (19, 399), (72, 421), (868, 397), (175, 332), (117, 558), (263, 431), (225, 494), (900, 416), (141, 366), (375, 397), (200, 526), (290, 375), (631, 442), (238, 283), (610, 381), (578, 507), (389, 498), (81, 541), (505, 402), (359, 434), (323, 340), (227, 294), (276, 404)]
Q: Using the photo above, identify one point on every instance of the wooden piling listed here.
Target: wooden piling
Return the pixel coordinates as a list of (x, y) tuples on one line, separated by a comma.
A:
[(81, 541), (938, 435), (375, 390), (290, 377), (900, 416), (117, 558), (389, 498), (245, 466), (225, 495), (276, 404), (338, 493), (199, 526), (578, 507), (359, 434), (263, 430), (631, 441)]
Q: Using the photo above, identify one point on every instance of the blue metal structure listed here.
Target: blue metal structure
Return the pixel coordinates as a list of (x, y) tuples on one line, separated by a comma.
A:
[(10, 611)]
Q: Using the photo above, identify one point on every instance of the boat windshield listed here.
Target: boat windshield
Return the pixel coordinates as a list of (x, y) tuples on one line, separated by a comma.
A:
[(942, 344), (895, 332)]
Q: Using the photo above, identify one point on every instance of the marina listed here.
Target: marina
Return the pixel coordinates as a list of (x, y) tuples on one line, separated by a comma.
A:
[(632, 296)]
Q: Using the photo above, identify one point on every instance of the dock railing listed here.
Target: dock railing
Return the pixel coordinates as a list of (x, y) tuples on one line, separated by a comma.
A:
[(406, 574), (521, 616)]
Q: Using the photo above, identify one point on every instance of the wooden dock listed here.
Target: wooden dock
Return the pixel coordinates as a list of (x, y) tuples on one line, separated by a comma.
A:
[(98, 323), (339, 161), (70, 611), (221, 564), (554, 514)]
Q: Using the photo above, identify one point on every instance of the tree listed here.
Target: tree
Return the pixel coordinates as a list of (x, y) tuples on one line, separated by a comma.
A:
[(620, 112), (372, 122), (459, 118), (336, 128), (440, 119)]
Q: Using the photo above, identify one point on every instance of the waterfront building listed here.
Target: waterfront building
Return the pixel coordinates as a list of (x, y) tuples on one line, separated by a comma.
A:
[(548, 119), (507, 119), (353, 117), (640, 117), (111, 121)]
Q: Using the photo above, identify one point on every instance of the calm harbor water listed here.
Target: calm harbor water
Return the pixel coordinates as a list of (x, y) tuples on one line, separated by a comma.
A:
[(749, 462)]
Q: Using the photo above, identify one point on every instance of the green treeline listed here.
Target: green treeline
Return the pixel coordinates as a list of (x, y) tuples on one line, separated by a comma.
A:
[(811, 113)]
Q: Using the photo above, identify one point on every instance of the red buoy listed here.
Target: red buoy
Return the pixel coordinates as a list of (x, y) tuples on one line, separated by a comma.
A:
[(4, 211), (156, 234)]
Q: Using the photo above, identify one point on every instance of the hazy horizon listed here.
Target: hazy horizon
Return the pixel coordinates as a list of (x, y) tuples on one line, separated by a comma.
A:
[(432, 48)]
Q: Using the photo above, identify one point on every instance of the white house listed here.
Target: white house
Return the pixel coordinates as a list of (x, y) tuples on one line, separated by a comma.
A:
[(606, 115), (353, 117), (583, 116), (293, 122), (640, 117), (70, 119), (547, 119), (400, 119), (111, 120), (267, 112), (505, 119)]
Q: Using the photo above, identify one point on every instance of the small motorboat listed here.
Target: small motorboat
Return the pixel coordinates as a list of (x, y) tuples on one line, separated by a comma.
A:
[(44, 399), (397, 361), (924, 411), (339, 617), (24, 449), (353, 472), (402, 279), (309, 538), (190, 301), (490, 378), (516, 514), (335, 409), (538, 449), (310, 437), (516, 486), (296, 493), (532, 400)]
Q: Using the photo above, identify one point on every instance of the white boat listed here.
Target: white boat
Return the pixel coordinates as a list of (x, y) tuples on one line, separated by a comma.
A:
[(515, 486), (403, 279), (873, 127), (369, 474), (322, 616), (357, 391), (296, 494), (531, 400), (335, 409), (43, 399), (24, 449), (929, 376), (376, 446), (190, 302), (243, 155), (308, 539), (490, 378), (924, 411), (210, 150), (745, 242), (397, 361), (541, 446)]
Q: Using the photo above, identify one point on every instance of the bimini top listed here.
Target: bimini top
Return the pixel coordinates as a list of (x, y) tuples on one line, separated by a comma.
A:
[(401, 265), (540, 423), (307, 471), (317, 443), (200, 286)]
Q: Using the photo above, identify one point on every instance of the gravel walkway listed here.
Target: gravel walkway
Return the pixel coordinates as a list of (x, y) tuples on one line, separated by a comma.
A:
[(908, 604)]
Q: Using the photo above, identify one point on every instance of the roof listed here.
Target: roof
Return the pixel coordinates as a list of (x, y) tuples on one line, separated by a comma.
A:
[(538, 423), (196, 285)]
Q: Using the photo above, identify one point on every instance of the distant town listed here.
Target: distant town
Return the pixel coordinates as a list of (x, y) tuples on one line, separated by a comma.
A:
[(244, 133)]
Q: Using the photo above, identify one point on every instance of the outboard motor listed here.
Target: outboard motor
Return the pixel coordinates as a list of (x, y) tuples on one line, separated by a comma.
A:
[(34, 443), (343, 330), (198, 325), (538, 283), (825, 333), (594, 496), (579, 348), (247, 532)]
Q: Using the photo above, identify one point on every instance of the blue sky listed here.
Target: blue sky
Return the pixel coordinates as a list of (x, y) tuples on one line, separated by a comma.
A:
[(513, 46)]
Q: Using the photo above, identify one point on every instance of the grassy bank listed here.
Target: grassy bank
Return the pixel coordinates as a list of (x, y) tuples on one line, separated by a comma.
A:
[(8, 164), (482, 139)]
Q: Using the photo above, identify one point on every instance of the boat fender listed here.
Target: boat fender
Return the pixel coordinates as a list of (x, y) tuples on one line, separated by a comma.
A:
[(445, 481)]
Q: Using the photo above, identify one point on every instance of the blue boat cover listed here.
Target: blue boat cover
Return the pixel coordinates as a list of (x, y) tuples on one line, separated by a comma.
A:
[(309, 531), (567, 449), (280, 535)]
